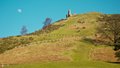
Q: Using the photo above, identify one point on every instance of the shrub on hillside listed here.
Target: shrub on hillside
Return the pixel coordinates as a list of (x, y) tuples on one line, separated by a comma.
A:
[(10, 43), (117, 54)]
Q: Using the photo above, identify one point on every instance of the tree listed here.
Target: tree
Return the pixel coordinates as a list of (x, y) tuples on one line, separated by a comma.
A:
[(23, 30), (109, 27), (47, 22)]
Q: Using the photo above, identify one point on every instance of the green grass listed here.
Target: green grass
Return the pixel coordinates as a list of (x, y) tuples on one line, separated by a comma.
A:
[(67, 65)]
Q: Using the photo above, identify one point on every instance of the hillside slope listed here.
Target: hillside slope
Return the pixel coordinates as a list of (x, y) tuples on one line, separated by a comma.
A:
[(68, 43)]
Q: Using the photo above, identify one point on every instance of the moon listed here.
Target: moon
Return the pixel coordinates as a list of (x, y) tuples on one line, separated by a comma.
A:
[(19, 10)]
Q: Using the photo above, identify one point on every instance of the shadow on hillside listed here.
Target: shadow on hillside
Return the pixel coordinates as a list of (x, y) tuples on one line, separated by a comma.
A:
[(94, 41), (114, 62), (88, 40)]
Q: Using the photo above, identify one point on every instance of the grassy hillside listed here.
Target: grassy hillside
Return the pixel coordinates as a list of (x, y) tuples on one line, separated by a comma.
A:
[(68, 43)]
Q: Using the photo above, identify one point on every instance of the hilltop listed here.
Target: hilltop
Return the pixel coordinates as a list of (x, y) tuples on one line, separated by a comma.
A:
[(67, 43)]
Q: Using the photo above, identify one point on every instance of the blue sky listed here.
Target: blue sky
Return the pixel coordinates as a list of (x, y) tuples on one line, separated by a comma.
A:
[(32, 13)]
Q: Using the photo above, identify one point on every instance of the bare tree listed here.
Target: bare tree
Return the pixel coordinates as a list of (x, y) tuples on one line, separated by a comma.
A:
[(109, 27), (23, 30), (47, 22)]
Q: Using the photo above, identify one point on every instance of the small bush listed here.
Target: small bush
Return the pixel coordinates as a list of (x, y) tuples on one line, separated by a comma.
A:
[(117, 54)]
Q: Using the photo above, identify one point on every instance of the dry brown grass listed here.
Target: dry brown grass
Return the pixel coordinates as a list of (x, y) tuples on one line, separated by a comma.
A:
[(43, 52), (104, 54)]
